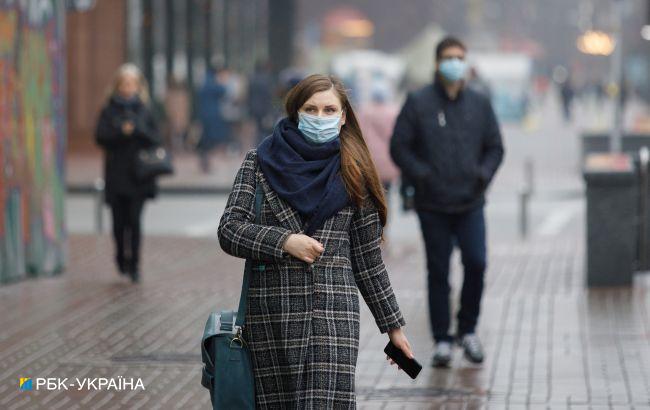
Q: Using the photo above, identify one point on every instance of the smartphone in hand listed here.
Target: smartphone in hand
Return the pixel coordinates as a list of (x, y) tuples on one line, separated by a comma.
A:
[(410, 366)]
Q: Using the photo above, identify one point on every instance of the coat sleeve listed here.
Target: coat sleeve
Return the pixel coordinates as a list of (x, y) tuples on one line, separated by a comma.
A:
[(492, 150), (108, 133), (369, 271), (238, 235), (402, 143)]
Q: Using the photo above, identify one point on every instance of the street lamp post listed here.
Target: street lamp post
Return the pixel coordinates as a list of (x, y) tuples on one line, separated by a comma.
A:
[(170, 37), (616, 134)]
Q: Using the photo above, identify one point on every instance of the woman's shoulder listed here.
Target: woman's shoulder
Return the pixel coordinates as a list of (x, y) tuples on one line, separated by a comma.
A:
[(250, 159), (107, 107), (251, 154), (367, 204)]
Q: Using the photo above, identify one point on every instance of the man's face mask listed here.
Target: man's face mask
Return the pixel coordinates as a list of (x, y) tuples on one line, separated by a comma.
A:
[(452, 69)]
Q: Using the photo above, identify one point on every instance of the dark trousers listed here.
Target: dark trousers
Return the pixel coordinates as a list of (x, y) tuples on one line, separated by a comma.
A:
[(441, 231), (126, 231)]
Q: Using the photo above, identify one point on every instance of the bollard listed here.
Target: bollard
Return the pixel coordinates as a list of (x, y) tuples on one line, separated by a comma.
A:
[(99, 203), (529, 173), (524, 197), (644, 160)]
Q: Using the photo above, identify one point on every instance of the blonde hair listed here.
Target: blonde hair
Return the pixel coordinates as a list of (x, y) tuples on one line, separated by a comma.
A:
[(130, 69)]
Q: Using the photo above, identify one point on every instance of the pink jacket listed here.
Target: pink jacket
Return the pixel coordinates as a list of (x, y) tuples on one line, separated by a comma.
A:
[(377, 122)]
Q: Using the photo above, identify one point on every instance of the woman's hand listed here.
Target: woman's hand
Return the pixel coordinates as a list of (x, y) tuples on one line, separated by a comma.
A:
[(303, 247), (398, 338)]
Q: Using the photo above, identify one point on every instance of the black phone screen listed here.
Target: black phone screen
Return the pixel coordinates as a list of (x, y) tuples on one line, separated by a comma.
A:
[(410, 366)]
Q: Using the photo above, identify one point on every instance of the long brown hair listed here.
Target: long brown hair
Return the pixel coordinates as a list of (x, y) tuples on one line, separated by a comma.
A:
[(357, 167)]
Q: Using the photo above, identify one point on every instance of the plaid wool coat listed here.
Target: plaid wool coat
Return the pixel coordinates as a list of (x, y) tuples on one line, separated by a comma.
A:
[(302, 322)]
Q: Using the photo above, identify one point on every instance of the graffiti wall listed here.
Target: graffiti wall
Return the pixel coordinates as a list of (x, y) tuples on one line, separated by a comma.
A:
[(32, 138)]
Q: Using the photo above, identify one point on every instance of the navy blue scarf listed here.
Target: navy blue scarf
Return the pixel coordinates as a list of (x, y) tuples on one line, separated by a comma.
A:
[(305, 175), (130, 104)]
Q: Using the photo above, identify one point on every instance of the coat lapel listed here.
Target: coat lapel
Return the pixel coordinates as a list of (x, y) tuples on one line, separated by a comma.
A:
[(287, 216)]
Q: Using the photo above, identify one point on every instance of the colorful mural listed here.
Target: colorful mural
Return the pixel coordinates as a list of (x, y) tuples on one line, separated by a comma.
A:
[(32, 138)]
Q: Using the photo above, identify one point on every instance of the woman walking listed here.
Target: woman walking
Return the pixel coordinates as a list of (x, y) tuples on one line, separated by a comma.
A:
[(125, 126), (321, 224)]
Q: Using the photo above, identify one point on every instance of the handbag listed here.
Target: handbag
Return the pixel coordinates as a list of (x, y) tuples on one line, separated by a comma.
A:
[(152, 162), (227, 370)]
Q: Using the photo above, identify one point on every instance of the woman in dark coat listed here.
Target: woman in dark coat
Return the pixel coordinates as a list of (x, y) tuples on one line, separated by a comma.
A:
[(321, 226), (125, 126)]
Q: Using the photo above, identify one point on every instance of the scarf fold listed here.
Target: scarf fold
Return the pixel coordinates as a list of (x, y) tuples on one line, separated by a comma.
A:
[(305, 175)]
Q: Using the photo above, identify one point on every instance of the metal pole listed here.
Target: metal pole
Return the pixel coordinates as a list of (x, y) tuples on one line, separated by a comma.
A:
[(207, 32), (644, 251), (170, 39), (189, 52), (615, 142), (227, 37), (147, 43), (282, 14)]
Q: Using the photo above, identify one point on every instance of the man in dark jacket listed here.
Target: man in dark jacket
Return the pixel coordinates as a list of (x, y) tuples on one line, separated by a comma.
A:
[(448, 144)]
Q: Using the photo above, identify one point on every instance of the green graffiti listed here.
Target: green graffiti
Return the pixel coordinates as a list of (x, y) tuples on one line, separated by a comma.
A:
[(31, 138)]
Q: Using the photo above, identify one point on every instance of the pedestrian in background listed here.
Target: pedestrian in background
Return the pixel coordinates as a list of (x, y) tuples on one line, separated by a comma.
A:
[(287, 79), (215, 133), (567, 93), (261, 87), (322, 215), (377, 120), (125, 126), (177, 113), (447, 142), (233, 110)]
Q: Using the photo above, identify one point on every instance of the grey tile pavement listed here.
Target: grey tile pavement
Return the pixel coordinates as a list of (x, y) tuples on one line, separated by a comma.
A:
[(549, 342)]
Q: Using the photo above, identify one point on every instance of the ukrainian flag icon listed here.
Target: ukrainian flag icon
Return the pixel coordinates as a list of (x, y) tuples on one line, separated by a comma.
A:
[(25, 383)]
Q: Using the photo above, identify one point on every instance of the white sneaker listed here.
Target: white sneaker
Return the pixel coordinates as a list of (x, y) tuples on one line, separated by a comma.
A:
[(472, 348), (442, 355)]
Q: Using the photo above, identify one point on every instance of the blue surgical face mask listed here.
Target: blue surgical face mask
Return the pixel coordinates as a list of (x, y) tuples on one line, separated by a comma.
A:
[(319, 130), (453, 69)]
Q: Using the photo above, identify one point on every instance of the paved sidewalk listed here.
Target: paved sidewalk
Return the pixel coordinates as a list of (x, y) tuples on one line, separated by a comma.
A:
[(549, 343)]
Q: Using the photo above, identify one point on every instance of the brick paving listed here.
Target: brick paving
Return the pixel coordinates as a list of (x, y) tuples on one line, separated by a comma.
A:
[(549, 343)]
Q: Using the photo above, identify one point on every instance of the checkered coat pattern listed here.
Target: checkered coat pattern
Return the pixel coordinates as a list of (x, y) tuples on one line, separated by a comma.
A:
[(302, 322)]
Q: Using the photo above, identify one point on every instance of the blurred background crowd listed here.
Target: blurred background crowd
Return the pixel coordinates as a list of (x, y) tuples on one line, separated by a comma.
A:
[(218, 71)]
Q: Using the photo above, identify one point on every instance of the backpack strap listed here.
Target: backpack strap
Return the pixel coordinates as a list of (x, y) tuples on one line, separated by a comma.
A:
[(248, 270)]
